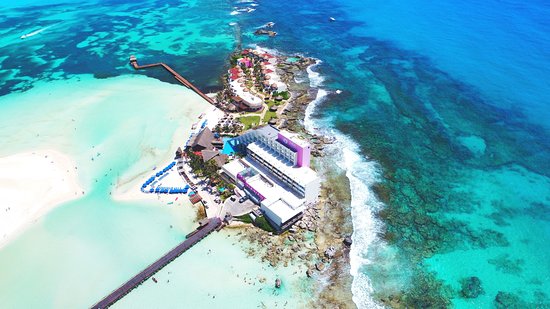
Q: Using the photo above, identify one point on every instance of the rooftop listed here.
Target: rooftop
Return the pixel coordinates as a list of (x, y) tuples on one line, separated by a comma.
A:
[(302, 175), (236, 166), (203, 139), (271, 188), (295, 138), (282, 209)]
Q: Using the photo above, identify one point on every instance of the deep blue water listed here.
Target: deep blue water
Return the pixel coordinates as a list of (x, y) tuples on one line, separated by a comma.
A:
[(451, 100)]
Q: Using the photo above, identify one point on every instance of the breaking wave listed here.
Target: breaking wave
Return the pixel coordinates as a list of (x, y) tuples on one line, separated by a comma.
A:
[(362, 174)]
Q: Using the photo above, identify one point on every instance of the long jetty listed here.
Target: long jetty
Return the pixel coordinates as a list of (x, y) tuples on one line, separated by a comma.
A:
[(201, 232), (179, 78)]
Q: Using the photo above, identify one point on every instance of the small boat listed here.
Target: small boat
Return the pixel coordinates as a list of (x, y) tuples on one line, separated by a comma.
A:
[(24, 36), (155, 280), (332, 19)]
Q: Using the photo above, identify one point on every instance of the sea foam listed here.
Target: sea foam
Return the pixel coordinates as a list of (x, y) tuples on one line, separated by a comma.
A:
[(362, 174)]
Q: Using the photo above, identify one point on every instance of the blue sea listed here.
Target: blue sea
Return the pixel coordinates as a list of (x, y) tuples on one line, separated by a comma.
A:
[(442, 120)]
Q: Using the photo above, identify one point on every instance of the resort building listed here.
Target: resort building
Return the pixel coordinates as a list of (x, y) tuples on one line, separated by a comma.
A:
[(214, 155), (205, 139), (262, 66), (275, 173)]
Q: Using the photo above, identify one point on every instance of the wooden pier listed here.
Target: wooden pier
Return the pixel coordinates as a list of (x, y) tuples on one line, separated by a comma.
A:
[(179, 78), (206, 227)]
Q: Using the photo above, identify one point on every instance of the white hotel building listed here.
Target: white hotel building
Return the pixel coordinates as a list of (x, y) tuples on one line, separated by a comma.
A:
[(275, 173)]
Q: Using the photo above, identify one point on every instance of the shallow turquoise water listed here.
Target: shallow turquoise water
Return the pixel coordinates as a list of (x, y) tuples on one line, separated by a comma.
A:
[(445, 105), (72, 87)]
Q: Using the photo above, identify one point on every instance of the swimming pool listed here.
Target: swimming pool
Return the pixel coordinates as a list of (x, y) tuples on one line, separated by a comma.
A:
[(227, 148)]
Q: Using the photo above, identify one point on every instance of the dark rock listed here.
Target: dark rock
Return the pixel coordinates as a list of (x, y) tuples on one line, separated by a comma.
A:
[(471, 287), (330, 252), (309, 272), (347, 241), (320, 266), (508, 300)]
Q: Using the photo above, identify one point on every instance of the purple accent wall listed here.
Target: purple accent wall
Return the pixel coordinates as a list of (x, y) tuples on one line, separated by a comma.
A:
[(249, 187), (304, 153)]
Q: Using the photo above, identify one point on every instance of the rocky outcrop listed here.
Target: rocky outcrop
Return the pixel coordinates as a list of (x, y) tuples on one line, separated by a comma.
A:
[(330, 252), (471, 287), (348, 241)]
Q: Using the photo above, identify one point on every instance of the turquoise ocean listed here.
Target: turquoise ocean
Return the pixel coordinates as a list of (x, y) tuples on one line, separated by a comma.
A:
[(443, 121)]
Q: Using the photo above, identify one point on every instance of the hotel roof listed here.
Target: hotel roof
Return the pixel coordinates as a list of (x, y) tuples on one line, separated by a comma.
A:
[(302, 175), (295, 138), (272, 189), (282, 209), (236, 166)]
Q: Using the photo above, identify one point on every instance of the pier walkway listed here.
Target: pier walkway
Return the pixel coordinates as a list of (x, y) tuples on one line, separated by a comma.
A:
[(179, 78), (201, 232)]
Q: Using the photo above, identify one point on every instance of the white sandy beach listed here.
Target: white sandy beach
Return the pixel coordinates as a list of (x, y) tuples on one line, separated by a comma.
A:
[(31, 184), (131, 190)]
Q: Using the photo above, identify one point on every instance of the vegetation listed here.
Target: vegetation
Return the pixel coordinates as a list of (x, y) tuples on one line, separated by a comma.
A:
[(228, 190), (268, 115), (284, 94), (208, 169), (233, 59), (245, 218), (261, 222), (249, 121), (233, 128)]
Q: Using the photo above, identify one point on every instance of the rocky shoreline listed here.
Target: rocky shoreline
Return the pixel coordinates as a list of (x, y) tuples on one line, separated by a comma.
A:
[(320, 242)]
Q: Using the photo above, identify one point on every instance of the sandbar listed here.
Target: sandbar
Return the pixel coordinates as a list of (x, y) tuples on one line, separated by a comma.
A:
[(31, 184)]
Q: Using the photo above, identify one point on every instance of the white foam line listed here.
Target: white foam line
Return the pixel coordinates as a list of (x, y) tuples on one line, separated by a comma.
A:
[(315, 78), (309, 122), (362, 174)]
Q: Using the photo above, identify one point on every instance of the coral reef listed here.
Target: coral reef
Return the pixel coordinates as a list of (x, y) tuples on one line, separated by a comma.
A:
[(471, 287)]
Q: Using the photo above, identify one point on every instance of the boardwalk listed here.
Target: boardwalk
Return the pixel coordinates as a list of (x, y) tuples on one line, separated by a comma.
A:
[(179, 78), (148, 272)]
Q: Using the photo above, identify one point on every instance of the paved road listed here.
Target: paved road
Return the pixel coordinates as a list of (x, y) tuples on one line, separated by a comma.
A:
[(236, 208)]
